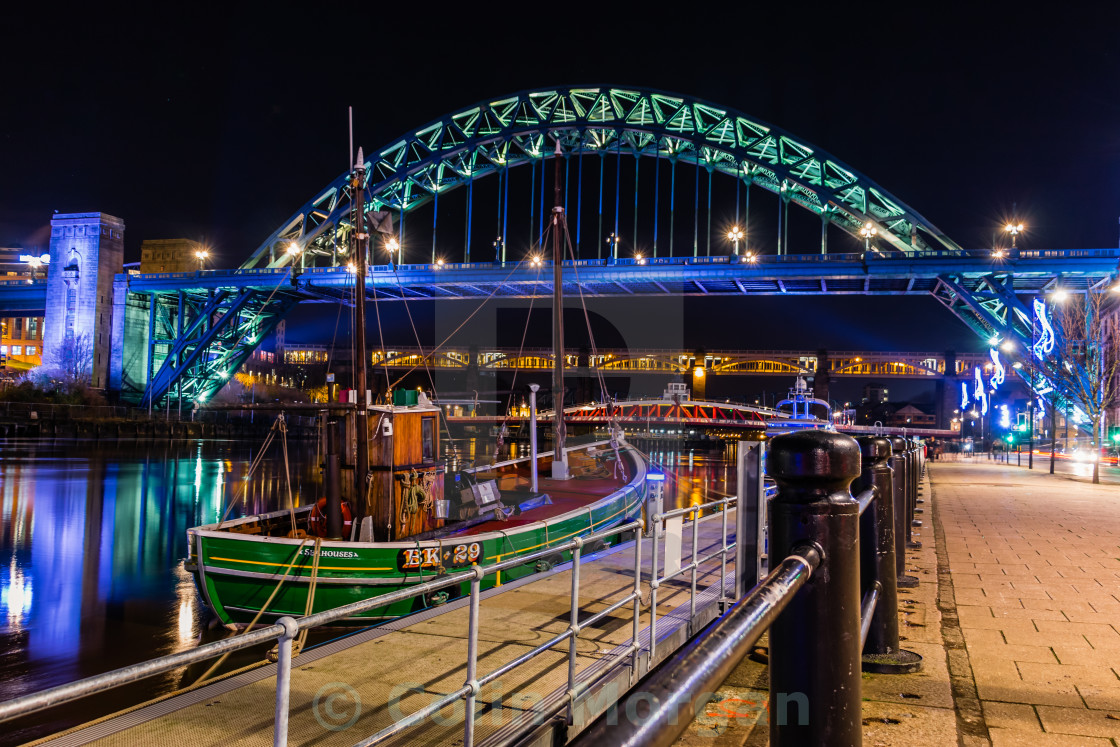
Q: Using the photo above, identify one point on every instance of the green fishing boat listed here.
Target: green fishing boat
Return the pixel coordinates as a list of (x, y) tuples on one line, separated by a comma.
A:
[(406, 522), (251, 569)]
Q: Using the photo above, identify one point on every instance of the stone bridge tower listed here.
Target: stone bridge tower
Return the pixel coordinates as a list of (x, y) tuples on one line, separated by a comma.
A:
[(87, 250)]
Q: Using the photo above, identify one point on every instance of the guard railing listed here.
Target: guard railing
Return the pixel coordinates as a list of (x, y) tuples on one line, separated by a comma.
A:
[(833, 609)]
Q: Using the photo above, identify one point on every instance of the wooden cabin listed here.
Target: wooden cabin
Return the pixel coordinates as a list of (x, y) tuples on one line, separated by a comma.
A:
[(407, 475)]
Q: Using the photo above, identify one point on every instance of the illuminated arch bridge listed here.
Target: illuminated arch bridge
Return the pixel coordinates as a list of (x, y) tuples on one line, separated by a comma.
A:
[(185, 333), (662, 361)]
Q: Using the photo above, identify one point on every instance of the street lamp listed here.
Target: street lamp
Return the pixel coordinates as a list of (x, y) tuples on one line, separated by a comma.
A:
[(499, 250), (392, 245), (735, 235), (612, 242), (867, 232), (35, 263), (201, 256), (535, 260), (1014, 229)]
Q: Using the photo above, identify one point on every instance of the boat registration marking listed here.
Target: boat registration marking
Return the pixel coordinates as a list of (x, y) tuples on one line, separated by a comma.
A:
[(440, 557)]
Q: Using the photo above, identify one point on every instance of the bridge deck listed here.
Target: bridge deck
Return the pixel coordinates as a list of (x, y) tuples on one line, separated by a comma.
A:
[(426, 651)]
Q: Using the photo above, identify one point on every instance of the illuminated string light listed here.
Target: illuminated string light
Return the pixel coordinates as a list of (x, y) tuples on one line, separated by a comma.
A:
[(979, 393), (1045, 344), (998, 373)]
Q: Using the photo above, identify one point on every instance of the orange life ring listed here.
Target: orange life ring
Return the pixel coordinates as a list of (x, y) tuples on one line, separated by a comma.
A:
[(317, 520)]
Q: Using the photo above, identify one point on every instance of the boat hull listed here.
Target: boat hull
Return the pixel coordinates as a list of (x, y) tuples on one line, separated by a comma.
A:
[(238, 574)]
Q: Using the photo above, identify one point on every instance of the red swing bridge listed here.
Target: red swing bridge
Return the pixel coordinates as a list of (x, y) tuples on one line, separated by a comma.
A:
[(650, 413)]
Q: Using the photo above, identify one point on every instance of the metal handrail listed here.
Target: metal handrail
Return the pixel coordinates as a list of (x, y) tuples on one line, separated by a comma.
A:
[(285, 630), (708, 661)]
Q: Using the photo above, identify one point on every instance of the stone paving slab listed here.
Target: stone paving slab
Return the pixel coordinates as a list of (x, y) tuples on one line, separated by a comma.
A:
[(1032, 558)]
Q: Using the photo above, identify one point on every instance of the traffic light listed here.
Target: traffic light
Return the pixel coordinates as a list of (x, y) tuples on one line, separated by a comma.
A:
[(1114, 433), (1010, 437)]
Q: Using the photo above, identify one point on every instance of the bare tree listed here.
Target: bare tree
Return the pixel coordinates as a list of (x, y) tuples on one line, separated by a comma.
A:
[(1083, 364)]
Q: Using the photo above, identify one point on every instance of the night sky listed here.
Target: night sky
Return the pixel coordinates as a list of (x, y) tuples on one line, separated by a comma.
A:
[(218, 126)]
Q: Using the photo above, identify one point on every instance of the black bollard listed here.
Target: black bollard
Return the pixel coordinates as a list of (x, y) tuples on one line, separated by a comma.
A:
[(915, 481), (881, 651), (923, 459), (901, 511), (815, 681)]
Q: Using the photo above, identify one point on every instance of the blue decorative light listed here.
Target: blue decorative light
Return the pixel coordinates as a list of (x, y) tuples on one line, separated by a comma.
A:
[(1004, 417), (998, 373), (979, 393), (1045, 344), (964, 395)]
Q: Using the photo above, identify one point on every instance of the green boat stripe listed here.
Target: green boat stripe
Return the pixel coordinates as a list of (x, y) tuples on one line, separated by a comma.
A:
[(304, 565), (356, 581)]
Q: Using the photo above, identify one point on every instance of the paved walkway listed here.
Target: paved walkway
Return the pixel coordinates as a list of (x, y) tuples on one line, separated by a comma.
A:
[(1034, 561)]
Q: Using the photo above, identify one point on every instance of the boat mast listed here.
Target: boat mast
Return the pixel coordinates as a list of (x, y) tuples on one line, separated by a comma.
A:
[(359, 242), (559, 460)]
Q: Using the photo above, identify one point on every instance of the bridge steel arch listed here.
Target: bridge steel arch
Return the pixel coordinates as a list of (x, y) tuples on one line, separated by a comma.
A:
[(494, 135), (203, 327)]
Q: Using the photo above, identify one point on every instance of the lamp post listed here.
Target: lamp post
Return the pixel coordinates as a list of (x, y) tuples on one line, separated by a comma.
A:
[(392, 245), (201, 256), (293, 251), (868, 231), (612, 242), (500, 250), (735, 235), (34, 263), (1014, 229)]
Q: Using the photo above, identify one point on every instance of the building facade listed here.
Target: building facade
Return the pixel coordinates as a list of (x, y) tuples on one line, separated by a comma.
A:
[(170, 255)]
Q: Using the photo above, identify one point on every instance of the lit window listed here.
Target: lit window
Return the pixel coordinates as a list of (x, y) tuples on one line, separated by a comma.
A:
[(4, 349), (17, 349), (31, 350)]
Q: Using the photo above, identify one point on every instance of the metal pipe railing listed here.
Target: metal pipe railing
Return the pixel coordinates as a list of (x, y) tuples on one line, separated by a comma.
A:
[(285, 630), (815, 651), (703, 666)]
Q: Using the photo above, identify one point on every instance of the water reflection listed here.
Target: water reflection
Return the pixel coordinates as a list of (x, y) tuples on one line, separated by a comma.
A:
[(92, 541), (694, 478)]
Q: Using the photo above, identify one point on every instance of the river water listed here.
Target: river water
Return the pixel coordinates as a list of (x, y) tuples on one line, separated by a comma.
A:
[(92, 542)]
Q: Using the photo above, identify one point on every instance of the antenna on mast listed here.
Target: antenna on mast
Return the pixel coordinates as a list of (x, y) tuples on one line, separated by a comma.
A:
[(350, 163)]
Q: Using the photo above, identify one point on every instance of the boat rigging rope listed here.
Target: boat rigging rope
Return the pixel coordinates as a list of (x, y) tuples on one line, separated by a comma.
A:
[(288, 473), (252, 469), (416, 335), (257, 617), (301, 640), (463, 323), (612, 419), (416, 495)]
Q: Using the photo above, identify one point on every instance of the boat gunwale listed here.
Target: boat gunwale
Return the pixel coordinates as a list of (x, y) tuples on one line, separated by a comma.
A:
[(207, 531)]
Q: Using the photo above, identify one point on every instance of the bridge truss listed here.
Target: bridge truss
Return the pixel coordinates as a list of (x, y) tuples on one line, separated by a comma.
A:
[(211, 320)]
